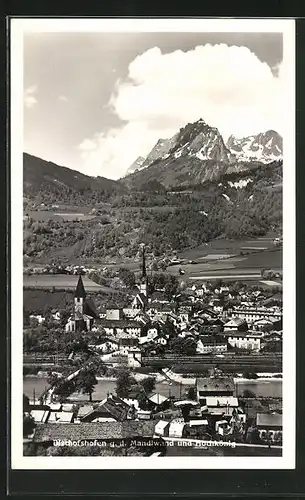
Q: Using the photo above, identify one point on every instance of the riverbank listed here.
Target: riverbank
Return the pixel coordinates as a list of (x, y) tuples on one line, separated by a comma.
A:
[(258, 379), (138, 376)]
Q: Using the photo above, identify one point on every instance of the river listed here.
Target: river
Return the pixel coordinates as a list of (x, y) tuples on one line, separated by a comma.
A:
[(259, 387)]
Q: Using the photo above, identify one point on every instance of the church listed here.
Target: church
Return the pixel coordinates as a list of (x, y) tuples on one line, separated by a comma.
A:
[(84, 310), (85, 313)]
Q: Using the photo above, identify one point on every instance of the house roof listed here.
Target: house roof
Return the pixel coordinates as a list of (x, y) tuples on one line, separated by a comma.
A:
[(209, 339), (158, 296), (220, 384), (159, 306), (94, 430), (269, 420), (235, 322), (250, 335), (119, 323), (141, 297), (40, 415), (60, 416), (194, 423), (84, 410), (157, 399), (113, 405), (90, 309)]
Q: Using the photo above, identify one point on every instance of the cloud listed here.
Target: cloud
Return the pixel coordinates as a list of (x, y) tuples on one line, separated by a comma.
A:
[(63, 98), (29, 97), (227, 86)]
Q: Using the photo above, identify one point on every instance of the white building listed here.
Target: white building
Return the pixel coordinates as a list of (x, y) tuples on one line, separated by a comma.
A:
[(250, 341)]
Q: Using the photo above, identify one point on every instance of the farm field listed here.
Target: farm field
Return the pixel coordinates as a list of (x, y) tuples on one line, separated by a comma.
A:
[(44, 215), (246, 266), (222, 246), (61, 281)]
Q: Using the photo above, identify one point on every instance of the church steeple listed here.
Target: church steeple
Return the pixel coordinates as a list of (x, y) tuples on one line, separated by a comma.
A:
[(143, 281), (80, 289), (144, 274), (79, 302)]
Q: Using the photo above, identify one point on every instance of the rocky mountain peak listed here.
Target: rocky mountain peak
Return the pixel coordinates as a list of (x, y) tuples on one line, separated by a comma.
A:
[(265, 147)]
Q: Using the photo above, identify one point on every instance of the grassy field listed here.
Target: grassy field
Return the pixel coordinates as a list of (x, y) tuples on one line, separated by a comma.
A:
[(45, 215), (222, 246), (61, 281), (244, 265)]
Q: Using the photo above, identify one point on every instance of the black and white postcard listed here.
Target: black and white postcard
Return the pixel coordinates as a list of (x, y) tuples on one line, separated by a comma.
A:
[(152, 243)]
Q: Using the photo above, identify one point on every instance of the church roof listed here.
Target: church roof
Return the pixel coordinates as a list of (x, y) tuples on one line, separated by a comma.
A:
[(90, 309), (80, 289)]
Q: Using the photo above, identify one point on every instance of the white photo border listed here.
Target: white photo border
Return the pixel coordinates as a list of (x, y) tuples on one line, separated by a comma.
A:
[(18, 26)]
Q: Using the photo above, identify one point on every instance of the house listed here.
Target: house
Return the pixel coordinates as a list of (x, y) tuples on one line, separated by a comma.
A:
[(177, 430), (127, 340), (36, 317), (131, 312), (158, 310), (162, 428), (251, 314), (110, 409), (236, 324), (140, 301), (250, 340), (162, 340), (270, 427), (263, 325), (114, 314), (134, 357), (114, 327), (158, 296), (211, 344), (152, 332), (56, 315), (142, 317), (223, 407), (102, 313), (214, 386), (106, 345), (144, 414)]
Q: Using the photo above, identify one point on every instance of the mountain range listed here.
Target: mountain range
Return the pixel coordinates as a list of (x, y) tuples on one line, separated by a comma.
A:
[(56, 183), (198, 153)]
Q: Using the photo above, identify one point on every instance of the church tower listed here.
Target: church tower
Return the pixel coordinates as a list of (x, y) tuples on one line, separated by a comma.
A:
[(143, 282), (79, 302)]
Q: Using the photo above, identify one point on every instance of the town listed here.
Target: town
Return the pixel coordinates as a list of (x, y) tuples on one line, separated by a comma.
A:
[(183, 364)]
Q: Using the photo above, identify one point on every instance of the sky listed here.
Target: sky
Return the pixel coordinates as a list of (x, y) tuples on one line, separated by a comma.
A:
[(94, 102)]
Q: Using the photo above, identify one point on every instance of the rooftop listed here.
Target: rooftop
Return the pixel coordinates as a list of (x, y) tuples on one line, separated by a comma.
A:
[(220, 384), (94, 430), (269, 420)]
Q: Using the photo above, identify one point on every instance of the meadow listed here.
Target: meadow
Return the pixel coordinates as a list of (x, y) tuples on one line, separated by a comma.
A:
[(60, 281)]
